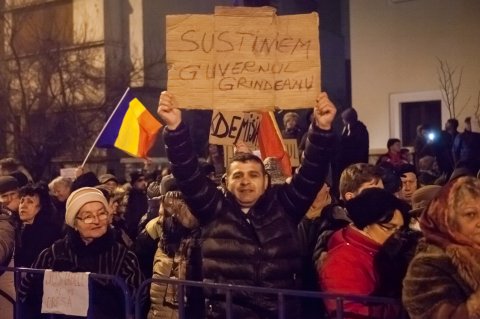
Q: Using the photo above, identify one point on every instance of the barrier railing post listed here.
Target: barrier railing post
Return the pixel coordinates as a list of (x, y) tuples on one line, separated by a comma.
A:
[(229, 304), (281, 306), (137, 298), (126, 294), (181, 301), (16, 281), (339, 301)]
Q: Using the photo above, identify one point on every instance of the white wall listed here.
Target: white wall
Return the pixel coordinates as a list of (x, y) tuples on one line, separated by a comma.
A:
[(394, 49)]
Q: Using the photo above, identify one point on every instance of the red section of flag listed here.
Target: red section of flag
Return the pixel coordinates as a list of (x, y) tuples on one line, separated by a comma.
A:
[(271, 144), (149, 127)]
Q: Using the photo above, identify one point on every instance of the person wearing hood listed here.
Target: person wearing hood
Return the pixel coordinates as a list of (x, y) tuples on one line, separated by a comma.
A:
[(443, 279)]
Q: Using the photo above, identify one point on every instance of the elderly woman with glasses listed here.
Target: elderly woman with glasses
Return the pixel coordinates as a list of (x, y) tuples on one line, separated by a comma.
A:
[(349, 267), (443, 279), (89, 246)]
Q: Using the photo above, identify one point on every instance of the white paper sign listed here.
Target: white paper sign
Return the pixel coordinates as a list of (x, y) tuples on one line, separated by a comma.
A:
[(68, 172), (65, 293)]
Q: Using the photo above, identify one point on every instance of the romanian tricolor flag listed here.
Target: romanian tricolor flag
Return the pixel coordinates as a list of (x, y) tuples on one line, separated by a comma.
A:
[(270, 142), (131, 128)]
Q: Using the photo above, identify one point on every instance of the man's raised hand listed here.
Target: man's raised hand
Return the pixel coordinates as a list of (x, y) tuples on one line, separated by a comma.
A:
[(324, 111), (169, 111)]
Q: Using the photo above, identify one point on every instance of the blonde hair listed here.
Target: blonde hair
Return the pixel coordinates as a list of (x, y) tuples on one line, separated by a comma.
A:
[(60, 180)]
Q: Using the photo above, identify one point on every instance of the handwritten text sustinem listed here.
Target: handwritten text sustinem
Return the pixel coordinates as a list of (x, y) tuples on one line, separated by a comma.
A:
[(228, 41)]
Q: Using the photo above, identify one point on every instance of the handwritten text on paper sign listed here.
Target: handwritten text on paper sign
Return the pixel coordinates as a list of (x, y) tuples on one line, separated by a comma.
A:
[(228, 128), (243, 61), (65, 293)]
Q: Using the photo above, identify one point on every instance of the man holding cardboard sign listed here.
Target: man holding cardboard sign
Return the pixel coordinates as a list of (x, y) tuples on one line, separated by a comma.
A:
[(249, 233)]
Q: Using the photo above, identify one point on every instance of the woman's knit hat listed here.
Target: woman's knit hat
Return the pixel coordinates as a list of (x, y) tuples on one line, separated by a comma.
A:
[(79, 198)]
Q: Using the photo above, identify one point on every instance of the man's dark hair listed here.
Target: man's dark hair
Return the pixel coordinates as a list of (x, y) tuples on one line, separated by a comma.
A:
[(246, 157), (453, 122), (406, 168), (350, 115), (392, 141)]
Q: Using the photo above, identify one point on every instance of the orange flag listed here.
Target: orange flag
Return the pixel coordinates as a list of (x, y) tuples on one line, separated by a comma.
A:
[(270, 142)]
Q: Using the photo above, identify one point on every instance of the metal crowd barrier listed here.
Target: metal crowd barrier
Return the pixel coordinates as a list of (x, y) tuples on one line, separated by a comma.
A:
[(281, 293), (227, 288), (116, 280)]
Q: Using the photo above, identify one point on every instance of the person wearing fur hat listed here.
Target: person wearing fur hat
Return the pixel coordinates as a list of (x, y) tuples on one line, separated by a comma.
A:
[(443, 279), (349, 265), (89, 246)]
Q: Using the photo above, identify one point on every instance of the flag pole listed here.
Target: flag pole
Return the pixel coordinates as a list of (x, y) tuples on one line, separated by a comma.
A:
[(103, 128)]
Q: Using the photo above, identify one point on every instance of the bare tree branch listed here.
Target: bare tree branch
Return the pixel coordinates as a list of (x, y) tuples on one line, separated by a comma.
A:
[(54, 96), (449, 86)]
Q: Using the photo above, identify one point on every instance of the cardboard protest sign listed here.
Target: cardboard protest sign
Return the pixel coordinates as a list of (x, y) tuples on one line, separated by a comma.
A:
[(229, 128), (243, 59), (292, 150), (65, 293)]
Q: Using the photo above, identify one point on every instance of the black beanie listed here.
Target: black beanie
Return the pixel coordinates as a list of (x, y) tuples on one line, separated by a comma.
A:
[(374, 205)]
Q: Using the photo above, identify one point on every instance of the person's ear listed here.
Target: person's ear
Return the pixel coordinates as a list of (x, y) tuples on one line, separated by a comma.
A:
[(348, 195), (267, 181), (223, 180)]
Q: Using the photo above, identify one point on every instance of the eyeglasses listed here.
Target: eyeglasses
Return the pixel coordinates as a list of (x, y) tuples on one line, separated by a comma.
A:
[(390, 228), (90, 219)]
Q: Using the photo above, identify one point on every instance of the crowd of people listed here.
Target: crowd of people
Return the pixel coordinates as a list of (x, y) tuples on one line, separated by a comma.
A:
[(404, 228)]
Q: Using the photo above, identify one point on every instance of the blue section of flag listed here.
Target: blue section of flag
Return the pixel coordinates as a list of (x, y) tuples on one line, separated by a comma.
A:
[(110, 133)]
